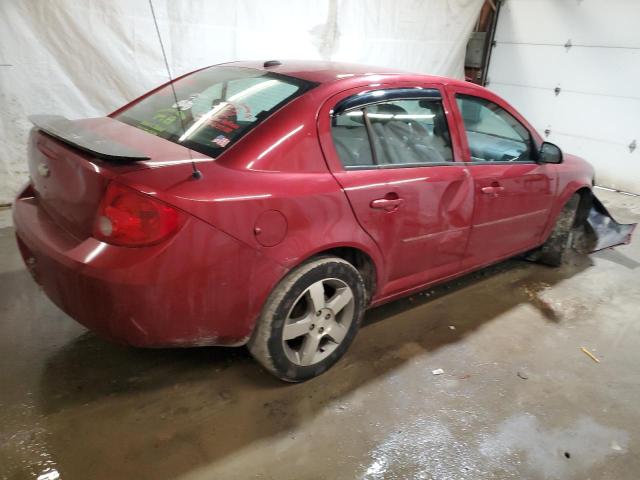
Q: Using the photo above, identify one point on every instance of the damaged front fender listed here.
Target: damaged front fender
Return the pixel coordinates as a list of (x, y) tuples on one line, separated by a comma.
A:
[(599, 230)]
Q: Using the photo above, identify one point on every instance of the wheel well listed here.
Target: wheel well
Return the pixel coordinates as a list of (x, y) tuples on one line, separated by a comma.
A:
[(362, 262), (585, 204)]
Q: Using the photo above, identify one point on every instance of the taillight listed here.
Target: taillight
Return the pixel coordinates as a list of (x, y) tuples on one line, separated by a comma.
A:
[(131, 219)]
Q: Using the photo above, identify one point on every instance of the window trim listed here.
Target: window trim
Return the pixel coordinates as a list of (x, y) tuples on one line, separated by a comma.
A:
[(533, 145), (432, 94), (369, 129), (388, 166), (373, 97)]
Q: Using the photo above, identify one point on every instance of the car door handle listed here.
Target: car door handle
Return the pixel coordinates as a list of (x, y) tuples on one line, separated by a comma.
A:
[(387, 204), (494, 189)]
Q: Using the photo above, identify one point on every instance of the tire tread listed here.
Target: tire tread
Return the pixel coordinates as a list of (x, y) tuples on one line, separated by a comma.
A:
[(258, 344)]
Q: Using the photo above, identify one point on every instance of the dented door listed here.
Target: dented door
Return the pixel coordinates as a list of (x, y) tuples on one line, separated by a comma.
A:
[(395, 155), (423, 235)]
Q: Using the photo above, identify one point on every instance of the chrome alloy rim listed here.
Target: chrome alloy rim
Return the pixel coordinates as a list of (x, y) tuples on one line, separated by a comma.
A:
[(318, 321)]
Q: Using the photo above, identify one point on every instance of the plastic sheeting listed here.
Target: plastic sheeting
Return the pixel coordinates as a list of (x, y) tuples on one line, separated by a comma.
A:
[(84, 59)]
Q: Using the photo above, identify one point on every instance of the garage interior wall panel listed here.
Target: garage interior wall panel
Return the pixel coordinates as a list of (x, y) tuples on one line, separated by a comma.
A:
[(84, 59), (596, 115)]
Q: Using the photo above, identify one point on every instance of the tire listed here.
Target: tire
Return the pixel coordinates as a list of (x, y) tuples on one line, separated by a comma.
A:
[(309, 319), (554, 251)]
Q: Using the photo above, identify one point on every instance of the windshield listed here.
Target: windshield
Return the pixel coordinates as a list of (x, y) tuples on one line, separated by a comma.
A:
[(215, 106)]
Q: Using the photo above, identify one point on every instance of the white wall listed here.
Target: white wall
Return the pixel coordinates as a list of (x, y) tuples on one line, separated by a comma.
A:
[(85, 58), (597, 113)]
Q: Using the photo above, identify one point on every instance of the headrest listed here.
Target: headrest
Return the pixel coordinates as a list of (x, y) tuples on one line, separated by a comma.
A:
[(224, 117), (386, 112), (470, 111)]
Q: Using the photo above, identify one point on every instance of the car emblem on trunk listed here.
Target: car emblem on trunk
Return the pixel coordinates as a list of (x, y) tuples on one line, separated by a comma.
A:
[(43, 170)]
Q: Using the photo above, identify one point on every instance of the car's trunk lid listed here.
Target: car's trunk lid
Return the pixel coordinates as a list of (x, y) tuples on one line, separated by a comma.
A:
[(71, 162)]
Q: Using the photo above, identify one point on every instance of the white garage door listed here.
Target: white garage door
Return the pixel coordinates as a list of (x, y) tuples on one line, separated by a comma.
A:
[(590, 50)]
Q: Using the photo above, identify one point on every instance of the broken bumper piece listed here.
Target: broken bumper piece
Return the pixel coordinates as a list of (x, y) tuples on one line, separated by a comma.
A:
[(602, 231)]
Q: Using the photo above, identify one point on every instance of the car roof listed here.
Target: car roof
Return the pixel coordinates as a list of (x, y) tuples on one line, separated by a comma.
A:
[(329, 72)]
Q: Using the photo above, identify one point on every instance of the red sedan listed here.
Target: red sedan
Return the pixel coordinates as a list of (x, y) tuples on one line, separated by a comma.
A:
[(271, 204)]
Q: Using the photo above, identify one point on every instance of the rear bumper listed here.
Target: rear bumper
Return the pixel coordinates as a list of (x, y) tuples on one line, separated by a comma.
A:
[(201, 287)]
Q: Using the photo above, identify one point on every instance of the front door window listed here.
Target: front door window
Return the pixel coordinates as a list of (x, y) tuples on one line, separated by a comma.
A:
[(493, 134)]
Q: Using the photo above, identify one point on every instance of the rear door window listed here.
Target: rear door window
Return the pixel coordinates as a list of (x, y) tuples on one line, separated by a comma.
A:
[(351, 139), (394, 133), (410, 132), (215, 107)]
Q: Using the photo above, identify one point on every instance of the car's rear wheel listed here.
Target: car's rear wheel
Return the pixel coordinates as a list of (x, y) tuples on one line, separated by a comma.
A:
[(310, 319), (554, 251)]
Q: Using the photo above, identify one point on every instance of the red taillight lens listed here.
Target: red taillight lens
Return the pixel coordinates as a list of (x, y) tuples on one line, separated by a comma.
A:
[(131, 219)]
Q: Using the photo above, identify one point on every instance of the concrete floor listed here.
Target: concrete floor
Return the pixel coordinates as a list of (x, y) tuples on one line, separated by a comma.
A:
[(517, 399)]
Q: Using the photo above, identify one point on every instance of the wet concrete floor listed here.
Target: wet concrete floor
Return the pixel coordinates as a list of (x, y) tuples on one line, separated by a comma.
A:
[(517, 399)]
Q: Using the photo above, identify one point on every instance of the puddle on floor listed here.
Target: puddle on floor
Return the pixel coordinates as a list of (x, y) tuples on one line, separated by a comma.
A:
[(554, 453)]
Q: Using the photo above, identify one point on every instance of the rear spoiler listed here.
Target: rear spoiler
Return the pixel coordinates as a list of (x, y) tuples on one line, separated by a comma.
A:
[(75, 134)]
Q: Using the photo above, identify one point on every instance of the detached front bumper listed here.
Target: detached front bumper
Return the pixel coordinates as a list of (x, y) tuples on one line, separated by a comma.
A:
[(201, 287), (601, 230)]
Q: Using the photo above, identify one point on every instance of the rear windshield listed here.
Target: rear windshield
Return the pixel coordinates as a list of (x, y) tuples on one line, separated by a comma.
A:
[(215, 106)]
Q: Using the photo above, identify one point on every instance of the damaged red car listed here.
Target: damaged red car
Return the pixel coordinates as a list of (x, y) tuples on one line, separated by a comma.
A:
[(270, 204)]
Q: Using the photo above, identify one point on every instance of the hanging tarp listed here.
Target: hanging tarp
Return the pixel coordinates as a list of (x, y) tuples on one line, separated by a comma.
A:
[(84, 59)]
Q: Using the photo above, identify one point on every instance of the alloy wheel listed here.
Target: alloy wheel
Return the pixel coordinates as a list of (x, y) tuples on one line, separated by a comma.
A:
[(318, 321)]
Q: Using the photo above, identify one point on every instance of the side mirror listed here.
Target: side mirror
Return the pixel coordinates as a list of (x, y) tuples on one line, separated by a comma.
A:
[(550, 153)]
